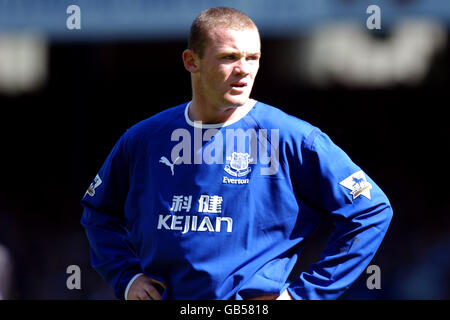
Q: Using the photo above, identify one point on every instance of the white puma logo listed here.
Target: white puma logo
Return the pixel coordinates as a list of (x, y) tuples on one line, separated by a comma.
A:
[(167, 162)]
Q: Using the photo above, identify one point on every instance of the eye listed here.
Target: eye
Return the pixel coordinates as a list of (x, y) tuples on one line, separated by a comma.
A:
[(230, 57), (253, 57)]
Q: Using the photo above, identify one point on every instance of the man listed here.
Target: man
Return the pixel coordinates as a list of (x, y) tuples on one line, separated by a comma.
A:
[(214, 198)]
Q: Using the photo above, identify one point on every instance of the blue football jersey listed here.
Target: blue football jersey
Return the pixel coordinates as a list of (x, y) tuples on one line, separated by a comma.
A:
[(222, 211)]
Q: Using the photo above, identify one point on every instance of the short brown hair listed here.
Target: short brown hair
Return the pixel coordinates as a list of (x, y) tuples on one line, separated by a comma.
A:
[(216, 17)]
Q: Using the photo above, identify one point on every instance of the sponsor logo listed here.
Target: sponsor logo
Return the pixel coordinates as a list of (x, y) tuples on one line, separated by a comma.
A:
[(207, 218), (186, 223), (168, 163)]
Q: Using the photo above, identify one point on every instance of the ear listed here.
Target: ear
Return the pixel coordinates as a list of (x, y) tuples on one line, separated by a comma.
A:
[(190, 61)]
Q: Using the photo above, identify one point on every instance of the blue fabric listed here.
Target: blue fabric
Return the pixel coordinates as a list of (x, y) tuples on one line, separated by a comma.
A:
[(231, 230)]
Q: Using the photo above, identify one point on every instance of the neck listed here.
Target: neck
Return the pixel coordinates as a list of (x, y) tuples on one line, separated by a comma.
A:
[(209, 114)]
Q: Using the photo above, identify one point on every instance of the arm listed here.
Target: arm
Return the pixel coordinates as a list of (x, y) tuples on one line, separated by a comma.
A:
[(331, 182), (112, 255)]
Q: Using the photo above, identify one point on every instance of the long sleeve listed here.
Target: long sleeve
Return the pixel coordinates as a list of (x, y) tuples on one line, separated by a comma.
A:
[(330, 182), (105, 224)]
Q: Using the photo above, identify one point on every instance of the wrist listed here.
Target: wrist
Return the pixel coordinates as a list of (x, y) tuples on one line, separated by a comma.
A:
[(130, 283)]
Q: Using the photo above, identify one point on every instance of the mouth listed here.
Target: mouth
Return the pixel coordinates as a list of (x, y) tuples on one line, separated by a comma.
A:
[(239, 84)]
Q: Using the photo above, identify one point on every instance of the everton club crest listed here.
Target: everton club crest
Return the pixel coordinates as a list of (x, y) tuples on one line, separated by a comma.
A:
[(238, 164)]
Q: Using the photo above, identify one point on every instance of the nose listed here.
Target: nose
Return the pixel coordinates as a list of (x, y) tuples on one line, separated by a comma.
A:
[(242, 67)]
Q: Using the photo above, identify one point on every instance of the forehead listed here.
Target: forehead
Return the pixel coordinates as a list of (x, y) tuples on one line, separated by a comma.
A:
[(246, 40)]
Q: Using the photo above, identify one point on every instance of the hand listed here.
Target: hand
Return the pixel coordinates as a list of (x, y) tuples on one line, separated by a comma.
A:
[(143, 288), (285, 296)]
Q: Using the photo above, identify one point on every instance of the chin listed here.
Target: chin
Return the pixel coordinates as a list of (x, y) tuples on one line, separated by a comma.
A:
[(237, 101)]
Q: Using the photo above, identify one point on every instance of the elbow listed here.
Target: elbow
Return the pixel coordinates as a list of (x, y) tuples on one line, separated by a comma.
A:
[(384, 215), (389, 214)]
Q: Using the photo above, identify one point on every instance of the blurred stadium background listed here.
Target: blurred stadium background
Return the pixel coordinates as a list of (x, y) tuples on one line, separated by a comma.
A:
[(67, 95)]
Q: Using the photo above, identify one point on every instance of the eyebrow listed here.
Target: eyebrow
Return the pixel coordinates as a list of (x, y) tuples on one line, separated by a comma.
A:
[(234, 51)]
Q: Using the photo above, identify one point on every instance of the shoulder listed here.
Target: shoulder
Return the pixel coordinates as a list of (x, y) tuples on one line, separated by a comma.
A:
[(289, 126), (158, 124), (146, 132)]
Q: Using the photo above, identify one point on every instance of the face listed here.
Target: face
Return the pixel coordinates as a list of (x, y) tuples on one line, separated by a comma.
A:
[(228, 68)]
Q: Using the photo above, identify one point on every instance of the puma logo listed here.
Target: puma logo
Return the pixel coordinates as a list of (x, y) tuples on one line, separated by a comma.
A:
[(167, 162)]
